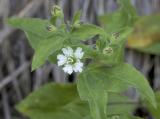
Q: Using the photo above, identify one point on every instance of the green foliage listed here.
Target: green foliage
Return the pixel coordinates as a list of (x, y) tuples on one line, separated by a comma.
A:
[(130, 76), (76, 19), (52, 44), (54, 101), (102, 81), (120, 19), (86, 31), (94, 85), (155, 112), (59, 101), (146, 35), (152, 49), (35, 29), (44, 42)]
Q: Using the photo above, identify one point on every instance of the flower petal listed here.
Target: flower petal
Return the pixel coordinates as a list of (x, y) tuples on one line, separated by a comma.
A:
[(61, 59), (67, 51), (78, 66), (78, 53), (68, 69)]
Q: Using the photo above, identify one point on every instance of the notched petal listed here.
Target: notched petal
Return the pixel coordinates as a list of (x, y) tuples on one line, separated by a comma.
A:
[(67, 51), (61, 59), (78, 67), (79, 53), (68, 69)]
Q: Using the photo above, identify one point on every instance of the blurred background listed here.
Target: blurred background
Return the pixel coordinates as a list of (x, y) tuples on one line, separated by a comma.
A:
[(16, 78)]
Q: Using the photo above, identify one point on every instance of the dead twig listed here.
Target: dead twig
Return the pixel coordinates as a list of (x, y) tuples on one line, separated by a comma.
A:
[(10, 78), (29, 10)]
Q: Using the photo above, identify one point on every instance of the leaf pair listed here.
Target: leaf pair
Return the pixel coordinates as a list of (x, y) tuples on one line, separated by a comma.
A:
[(42, 41), (47, 43), (95, 83), (59, 101)]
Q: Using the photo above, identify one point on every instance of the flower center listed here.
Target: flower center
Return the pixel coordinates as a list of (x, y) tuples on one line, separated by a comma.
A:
[(71, 60)]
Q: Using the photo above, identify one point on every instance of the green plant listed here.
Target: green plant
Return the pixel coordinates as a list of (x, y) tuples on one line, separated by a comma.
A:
[(98, 92), (145, 36), (154, 112)]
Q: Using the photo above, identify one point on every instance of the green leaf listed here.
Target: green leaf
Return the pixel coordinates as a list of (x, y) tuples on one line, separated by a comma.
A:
[(152, 49), (45, 49), (95, 83), (44, 42), (86, 31), (77, 16), (119, 25), (103, 59), (154, 112), (119, 104), (35, 29), (63, 102), (132, 117), (124, 17), (34, 39), (146, 35), (130, 76), (93, 88), (54, 101)]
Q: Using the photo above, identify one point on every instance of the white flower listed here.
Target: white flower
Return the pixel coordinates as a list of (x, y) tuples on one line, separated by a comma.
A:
[(70, 60)]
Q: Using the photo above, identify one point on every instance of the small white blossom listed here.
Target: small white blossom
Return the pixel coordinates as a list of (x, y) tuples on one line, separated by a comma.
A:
[(70, 60)]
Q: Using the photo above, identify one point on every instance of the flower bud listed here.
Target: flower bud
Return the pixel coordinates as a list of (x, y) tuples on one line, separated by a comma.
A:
[(115, 117), (108, 50), (114, 38), (51, 28), (56, 11), (76, 24), (115, 35)]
